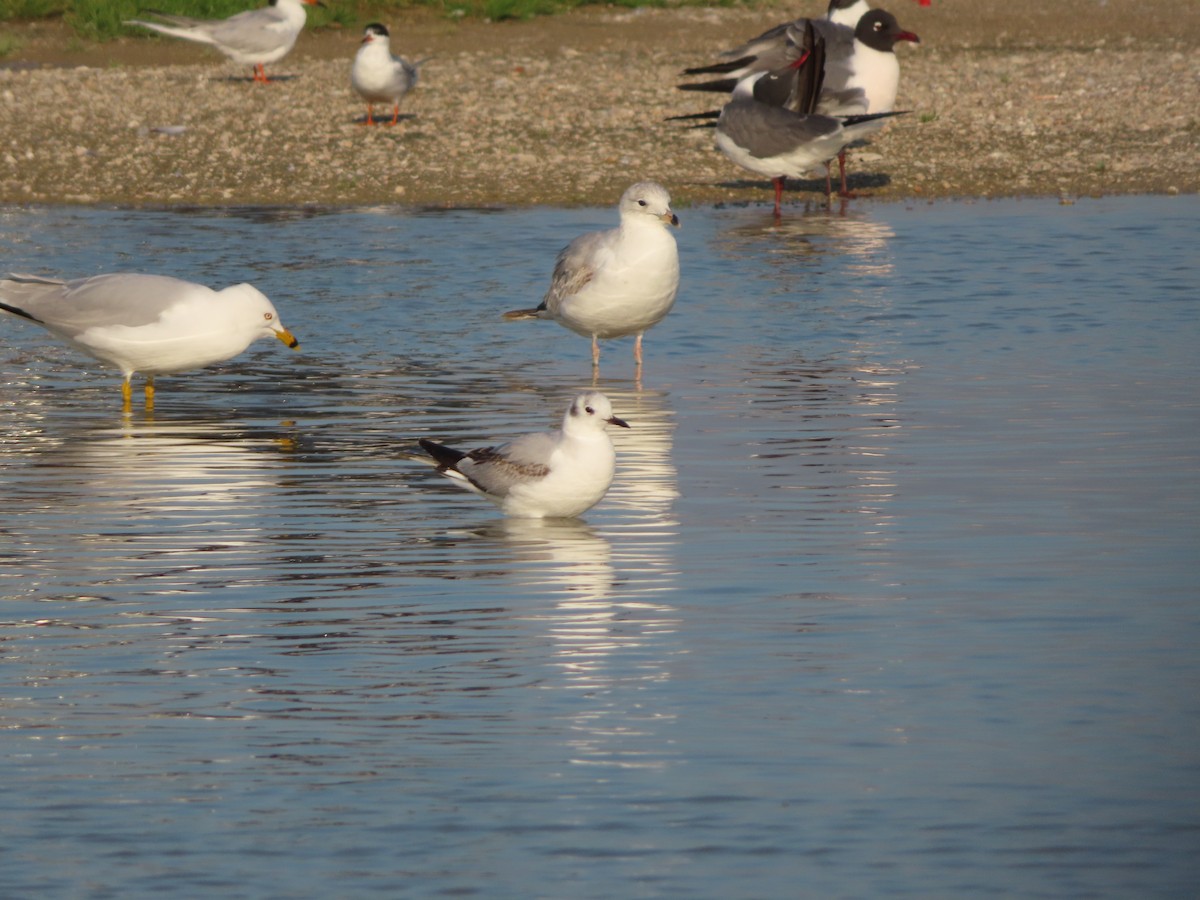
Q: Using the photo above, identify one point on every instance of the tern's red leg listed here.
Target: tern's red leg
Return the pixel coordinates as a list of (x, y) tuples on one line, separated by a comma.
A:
[(778, 182)]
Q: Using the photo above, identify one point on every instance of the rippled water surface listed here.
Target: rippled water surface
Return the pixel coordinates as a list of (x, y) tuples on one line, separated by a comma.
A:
[(895, 592)]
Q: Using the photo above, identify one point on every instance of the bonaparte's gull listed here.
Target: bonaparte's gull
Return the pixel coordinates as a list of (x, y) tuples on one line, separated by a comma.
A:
[(609, 284), (380, 77), (555, 474), (251, 38), (152, 324)]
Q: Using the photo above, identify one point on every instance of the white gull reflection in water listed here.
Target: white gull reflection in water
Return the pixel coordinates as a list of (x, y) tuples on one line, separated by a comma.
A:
[(604, 582), (855, 242), (141, 503)]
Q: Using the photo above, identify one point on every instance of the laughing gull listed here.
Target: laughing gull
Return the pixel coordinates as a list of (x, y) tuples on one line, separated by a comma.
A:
[(848, 12), (252, 38), (861, 71), (555, 474), (768, 51), (380, 77), (609, 284), (772, 124), (152, 324)]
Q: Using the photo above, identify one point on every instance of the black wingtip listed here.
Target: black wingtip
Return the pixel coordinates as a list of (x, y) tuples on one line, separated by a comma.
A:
[(692, 117), (847, 121), (445, 457), (721, 86), (17, 311)]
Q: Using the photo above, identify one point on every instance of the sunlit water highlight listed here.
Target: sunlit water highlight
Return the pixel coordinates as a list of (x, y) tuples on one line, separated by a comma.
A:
[(894, 594)]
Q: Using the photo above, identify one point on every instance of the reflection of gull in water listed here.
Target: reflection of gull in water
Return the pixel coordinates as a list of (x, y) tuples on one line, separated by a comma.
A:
[(644, 488), (608, 633), (856, 240), (558, 555), (189, 491)]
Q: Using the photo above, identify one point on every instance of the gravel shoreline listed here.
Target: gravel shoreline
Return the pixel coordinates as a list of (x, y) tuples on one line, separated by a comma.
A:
[(1090, 98)]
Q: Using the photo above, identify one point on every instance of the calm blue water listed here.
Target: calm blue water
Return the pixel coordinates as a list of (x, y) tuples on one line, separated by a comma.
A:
[(895, 593)]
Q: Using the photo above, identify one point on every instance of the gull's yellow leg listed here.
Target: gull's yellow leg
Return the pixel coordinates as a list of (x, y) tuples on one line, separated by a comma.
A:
[(126, 393), (149, 392)]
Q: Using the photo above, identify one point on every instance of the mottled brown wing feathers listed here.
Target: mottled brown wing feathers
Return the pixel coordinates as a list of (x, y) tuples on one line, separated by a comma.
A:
[(502, 463)]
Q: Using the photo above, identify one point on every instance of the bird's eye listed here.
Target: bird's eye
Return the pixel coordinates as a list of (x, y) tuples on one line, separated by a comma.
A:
[(590, 411), (268, 316), (641, 203), (878, 26)]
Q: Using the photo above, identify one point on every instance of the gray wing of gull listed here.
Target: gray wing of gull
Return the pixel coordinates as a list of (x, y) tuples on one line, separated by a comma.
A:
[(576, 266), (73, 307), (254, 31), (180, 21), (776, 48), (766, 43), (497, 470), (768, 131), (837, 97)]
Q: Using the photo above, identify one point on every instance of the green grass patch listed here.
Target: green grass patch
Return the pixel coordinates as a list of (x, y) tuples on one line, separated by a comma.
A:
[(100, 20), (8, 44), (25, 10)]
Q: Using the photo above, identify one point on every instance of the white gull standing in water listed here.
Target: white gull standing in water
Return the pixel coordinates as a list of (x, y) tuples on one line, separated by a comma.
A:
[(152, 324), (608, 284)]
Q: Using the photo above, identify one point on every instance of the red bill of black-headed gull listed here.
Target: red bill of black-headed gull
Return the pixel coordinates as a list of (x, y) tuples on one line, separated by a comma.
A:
[(770, 126), (252, 38), (554, 474), (380, 77), (152, 324), (608, 284)]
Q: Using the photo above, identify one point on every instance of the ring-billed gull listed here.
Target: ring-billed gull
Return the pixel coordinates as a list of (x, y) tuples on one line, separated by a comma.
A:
[(609, 284), (380, 77), (251, 38), (152, 324), (554, 474)]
